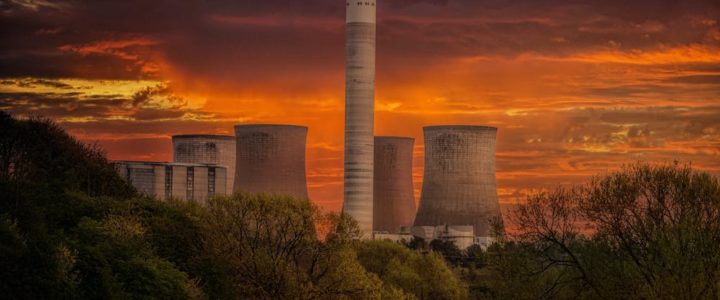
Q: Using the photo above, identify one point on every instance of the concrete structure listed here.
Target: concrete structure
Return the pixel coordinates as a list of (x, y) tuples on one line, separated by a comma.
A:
[(426, 233), (393, 237), (484, 241), (192, 182), (459, 183), (359, 112), (207, 149), (271, 159), (463, 236), (394, 199)]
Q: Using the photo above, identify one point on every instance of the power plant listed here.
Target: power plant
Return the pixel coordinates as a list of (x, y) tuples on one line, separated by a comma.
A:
[(207, 149), (459, 198), (271, 159), (191, 182), (359, 112), (459, 182), (394, 204)]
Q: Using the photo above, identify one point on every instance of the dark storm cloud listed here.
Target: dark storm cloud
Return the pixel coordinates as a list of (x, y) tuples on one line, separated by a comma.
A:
[(577, 87), (662, 90), (204, 38), (53, 104), (146, 94), (32, 82), (697, 79), (150, 114), (149, 103)]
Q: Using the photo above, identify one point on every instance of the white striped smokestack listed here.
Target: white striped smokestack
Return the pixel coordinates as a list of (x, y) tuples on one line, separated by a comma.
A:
[(359, 112)]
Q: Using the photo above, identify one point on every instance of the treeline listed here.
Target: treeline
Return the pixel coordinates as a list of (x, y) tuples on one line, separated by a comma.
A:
[(645, 232), (70, 228)]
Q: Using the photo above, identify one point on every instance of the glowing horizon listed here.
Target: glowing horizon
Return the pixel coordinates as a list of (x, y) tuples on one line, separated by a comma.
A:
[(575, 89)]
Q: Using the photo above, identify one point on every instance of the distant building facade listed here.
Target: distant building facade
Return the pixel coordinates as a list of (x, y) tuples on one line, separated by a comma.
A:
[(162, 180), (462, 236), (207, 149)]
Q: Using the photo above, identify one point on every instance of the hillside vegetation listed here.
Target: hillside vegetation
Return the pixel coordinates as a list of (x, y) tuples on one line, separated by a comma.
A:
[(71, 228)]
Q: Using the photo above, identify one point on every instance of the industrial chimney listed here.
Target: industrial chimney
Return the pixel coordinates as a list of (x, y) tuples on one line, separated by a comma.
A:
[(359, 112), (459, 183), (394, 204), (271, 159), (207, 149)]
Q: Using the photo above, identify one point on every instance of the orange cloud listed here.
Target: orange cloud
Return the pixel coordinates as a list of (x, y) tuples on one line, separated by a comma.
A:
[(575, 90)]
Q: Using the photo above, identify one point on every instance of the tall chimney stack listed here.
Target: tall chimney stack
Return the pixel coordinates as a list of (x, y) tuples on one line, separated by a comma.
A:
[(359, 112)]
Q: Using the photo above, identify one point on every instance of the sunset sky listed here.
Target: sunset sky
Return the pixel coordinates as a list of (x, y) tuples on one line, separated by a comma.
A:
[(576, 88)]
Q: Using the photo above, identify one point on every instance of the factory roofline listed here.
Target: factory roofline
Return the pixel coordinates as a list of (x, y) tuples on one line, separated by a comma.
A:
[(394, 137), (270, 125), (464, 127), (165, 163), (215, 136)]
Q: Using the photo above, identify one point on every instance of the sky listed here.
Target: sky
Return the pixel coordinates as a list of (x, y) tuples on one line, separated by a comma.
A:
[(576, 87)]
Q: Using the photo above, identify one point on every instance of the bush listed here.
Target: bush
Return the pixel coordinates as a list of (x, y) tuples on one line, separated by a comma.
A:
[(644, 232), (417, 274)]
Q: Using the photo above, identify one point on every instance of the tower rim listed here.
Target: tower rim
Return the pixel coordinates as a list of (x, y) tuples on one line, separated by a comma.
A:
[(391, 137), (463, 127), (205, 136), (270, 125)]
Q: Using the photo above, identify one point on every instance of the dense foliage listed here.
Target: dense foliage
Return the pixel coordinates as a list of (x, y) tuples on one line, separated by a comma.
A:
[(70, 228), (645, 232)]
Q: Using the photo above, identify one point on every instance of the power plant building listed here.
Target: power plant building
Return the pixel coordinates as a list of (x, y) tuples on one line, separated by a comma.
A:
[(459, 186), (207, 149), (271, 159), (394, 199), (462, 236), (191, 182), (359, 112)]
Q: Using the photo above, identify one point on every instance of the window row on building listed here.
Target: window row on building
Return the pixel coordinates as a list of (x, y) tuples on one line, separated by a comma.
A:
[(192, 182)]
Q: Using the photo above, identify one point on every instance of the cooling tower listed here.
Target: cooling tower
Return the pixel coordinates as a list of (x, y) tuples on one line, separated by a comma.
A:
[(207, 149), (271, 159), (394, 201), (359, 112), (459, 182)]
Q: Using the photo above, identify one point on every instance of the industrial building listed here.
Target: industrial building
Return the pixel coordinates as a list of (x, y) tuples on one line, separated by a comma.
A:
[(394, 199), (458, 200), (459, 186), (192, 182), (207, 149), (359, 112), (462, 236), (271, 159)]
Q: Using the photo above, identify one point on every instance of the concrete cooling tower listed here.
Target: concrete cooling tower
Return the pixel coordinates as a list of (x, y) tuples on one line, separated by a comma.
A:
[(359, 112), (207, 149), (271, 159), (394, 201), (459, 183)]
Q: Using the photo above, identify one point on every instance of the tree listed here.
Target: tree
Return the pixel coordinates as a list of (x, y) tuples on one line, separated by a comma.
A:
[(417, 274), (70, 227), (643, 232), (37, 152), (448, 250), (417, 243), (269, 247), (116, 260)]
